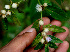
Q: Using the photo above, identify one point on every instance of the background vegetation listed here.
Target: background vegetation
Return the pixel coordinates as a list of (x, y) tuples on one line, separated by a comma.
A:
[(25, 20)]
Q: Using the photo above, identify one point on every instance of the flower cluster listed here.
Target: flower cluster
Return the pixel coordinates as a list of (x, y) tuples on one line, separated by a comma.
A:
[(46, 30), (45, 37), (7, 11), (39, 7)]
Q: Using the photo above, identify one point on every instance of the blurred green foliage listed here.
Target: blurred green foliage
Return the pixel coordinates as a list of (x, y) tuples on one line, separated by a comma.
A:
[(26, 14)]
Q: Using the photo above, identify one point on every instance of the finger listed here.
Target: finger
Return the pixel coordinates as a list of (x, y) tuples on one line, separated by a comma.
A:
[(46, 21), (61, 36), (30, 49), (21, 42), (63, 47), (56, 22)]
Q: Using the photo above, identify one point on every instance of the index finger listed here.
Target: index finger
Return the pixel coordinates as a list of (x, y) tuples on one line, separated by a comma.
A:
[(46, 21)]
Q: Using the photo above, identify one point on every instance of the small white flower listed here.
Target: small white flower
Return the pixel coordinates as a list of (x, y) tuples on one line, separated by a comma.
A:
[(8, 13), (45, 4), (66, 8), (14, 5), (41, 22), (46, 30), (7, 6), (43, 34), (3, 11), (38, 8), (3, 16), (42, 40), (48, 39)]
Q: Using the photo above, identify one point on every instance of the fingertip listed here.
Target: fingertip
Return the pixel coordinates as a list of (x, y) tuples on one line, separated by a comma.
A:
[(46, 20), (66, 43), (63, 47), (56, 22), (67, 30)]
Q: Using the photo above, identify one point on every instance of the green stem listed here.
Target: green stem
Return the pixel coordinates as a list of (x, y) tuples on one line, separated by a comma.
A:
[(39, 1), (11, 1), (41, 15)]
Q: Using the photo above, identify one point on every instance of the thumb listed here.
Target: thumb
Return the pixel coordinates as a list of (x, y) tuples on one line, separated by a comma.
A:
[(19, 43)]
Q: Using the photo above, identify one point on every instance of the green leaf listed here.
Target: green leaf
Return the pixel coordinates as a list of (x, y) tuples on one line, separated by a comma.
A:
[(58, 1), (55, 28), (16, 0), (46, 48), (56, 13), (17, 17), (5, 23), (22, 9), (39, 46), (46, 1), (55, 39), (52, 45), (37, 40), (16, 21), (33, 12), (36, 26)]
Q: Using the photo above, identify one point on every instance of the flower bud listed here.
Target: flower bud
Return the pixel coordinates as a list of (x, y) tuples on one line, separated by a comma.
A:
[(48, 39), (8, 13), (3, 16), (7, 6), (14, 5), (43, 34), (42, 40), (3, 11), (41, 22), (38, 8), (46, 30), (45, 4), (66, 8)]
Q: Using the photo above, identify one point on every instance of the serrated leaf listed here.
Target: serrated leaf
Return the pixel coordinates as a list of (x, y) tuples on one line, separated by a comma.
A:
[(55, 28), (55, 39), (46, 48), (36, 26), (37, 40), (52, 45), (56, 13), (39, 46)]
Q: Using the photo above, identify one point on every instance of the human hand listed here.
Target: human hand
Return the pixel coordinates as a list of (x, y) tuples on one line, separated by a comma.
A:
[(21, 42)]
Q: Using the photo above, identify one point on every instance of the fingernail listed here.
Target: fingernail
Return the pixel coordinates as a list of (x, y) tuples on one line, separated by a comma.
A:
[(30, 30)]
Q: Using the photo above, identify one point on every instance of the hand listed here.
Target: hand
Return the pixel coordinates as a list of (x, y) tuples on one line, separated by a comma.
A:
[(26, 37)]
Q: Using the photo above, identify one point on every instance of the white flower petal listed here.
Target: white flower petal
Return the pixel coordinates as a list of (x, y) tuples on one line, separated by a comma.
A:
[(14, 5), (41, 22), (3, 11), (42, 40), (7, 6), (38, 8)]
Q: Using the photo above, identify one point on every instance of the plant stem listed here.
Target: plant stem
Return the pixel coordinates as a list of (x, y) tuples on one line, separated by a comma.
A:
[(41, 15), (39, 1), (11, 1)]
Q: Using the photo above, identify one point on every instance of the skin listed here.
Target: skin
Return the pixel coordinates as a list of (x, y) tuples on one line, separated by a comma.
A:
[(22, 41)]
